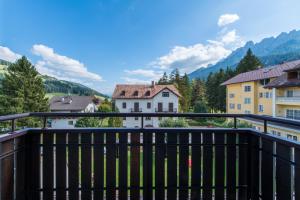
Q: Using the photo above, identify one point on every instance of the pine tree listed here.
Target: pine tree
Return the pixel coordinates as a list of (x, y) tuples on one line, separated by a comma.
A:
[(198, 91), (184, 89), (164, 79), (22, 89), (248, 63)]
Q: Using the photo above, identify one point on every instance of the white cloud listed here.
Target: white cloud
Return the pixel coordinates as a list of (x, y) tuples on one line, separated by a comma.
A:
[(62, 67), (145, 73), (189, 58), (8, 55), (232, 40), (135, 80), (227, 19)]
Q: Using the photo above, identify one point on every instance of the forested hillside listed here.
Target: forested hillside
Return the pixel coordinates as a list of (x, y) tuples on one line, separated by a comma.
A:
[(55, 86)]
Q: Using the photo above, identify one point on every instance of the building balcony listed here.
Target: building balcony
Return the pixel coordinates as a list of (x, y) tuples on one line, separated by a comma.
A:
[(284, 100), (164, 163), (174, 110)]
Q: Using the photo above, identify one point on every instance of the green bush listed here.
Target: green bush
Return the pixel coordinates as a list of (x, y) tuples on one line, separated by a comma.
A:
[(169, 122)]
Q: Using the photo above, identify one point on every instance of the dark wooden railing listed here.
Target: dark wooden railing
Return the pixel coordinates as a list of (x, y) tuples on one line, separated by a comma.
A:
[(160, 163)]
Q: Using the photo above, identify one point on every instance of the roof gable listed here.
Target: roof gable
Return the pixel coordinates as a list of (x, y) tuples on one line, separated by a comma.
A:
[(141, 91)]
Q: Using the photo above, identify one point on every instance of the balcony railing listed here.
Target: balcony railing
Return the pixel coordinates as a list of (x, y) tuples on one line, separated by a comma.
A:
[(174, 110), (160, 163), (286, 99)]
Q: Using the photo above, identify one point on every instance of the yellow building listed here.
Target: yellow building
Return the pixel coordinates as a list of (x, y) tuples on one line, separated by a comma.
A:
[(273, 91)]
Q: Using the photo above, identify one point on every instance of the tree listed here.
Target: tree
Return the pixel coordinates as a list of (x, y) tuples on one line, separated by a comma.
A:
[(248, 63), (115, 121), (197, 91), (200, 107), (184, 89), (87, 122), (105, 106), (22, 89), (164, 79)]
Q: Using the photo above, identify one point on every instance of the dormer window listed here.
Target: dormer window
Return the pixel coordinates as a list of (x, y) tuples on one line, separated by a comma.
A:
[(136, 93), (122, 93), (147, 93)]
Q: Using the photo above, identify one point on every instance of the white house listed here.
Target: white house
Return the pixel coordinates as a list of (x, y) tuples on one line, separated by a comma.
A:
[(70, 104), (145, 98)]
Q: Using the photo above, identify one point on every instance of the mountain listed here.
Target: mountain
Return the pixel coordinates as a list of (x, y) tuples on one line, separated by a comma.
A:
[(55, 87), (273, 50)]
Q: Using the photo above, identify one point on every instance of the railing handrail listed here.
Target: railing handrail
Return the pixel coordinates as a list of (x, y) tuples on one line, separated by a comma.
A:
[(139, 114)]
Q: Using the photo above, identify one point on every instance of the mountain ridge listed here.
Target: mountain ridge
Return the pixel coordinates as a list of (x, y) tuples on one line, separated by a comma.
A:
[(271, 50)]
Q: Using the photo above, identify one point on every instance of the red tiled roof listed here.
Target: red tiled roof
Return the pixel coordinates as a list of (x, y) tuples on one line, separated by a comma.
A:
[(141, 91), (263, 73)]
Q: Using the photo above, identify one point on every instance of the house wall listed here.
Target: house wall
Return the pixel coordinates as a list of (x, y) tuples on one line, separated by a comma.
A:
[(70, 122), (63, 123), (153, 121), (279, 107)]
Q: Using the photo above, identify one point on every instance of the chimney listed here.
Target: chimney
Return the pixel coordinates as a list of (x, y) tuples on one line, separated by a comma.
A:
[(152, 83)]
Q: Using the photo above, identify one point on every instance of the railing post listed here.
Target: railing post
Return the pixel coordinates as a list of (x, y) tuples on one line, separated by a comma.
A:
[(13, 125), (234, 122), (44, 122), (142, 122), (265, 126)]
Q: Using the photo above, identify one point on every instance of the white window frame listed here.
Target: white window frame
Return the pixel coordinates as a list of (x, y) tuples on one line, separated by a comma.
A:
[(260, 108), (247, 100), (247, 88)]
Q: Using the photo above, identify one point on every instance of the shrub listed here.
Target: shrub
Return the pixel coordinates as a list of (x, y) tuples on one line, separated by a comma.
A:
[(169, 122)]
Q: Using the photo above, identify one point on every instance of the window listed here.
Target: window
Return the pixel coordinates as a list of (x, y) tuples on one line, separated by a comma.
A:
[(290, 93), (260, 108), (295, 138), (231, 96), (148, 105), (247, 88), (289, 136), (297, 114), (147, 93), (136, 93), (124, 105), (247, 101), (247, 112), (293, 114), (231, 105), (148, 118), (289, 114), (70, 123), (136, 118), (276, 133), (165, 94), (239, 106), (122, 93), (264, 81), (261, 95), (267, 95)]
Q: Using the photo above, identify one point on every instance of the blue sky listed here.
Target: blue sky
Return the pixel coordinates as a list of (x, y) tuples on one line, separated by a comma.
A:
[(103, 42)]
